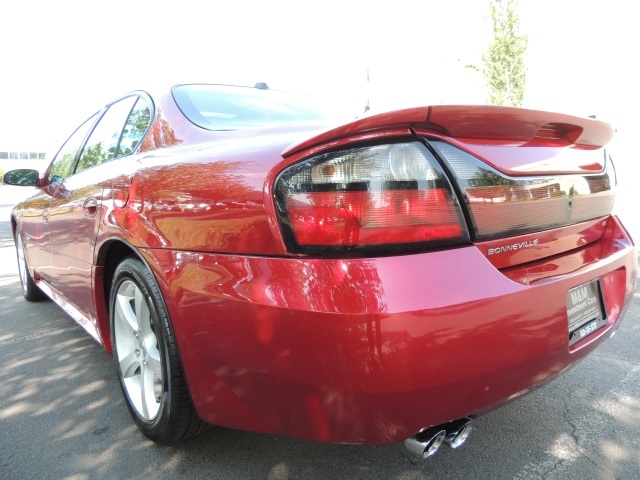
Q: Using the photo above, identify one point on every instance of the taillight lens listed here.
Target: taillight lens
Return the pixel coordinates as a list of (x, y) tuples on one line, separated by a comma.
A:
[(502, 206), (374, 197)]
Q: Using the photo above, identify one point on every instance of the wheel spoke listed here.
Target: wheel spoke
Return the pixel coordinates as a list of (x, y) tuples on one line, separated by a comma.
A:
[(146, 378), (126, 313), (129, 364), (134, 390), (153, 362), (151, 389), (144, 317)]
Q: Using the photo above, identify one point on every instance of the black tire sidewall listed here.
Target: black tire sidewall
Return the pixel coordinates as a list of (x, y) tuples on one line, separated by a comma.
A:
[(134, 270)]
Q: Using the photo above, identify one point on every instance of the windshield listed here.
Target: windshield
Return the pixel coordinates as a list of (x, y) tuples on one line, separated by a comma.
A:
[(221, 107)]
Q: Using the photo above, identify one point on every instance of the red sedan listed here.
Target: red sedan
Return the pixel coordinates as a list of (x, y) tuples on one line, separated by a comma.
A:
[(252, 265)]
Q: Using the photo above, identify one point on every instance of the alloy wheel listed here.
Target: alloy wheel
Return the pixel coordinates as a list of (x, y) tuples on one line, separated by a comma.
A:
[(137, 350)]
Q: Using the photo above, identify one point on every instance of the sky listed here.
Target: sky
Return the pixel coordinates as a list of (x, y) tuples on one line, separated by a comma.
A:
[(61, 61)]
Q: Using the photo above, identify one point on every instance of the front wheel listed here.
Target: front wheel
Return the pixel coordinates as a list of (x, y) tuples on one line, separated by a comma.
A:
[(30, 290), (147, 360)]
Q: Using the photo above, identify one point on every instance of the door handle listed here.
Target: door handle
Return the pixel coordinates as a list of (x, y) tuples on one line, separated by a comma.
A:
[(90, 207)]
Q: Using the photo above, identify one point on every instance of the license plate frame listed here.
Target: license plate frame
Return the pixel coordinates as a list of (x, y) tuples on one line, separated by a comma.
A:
[(585, 310)]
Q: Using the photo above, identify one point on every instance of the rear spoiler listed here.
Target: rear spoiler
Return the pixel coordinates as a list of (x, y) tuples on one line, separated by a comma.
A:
[(511, 125)]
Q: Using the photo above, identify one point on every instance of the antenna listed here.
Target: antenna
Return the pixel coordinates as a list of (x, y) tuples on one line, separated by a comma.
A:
[(367, 106)]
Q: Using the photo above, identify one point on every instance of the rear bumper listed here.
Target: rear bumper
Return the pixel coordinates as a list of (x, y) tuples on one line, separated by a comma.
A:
[(373, 350)]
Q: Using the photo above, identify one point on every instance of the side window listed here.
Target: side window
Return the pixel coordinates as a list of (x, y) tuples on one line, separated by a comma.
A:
[(136, 127), (63, 163), (103, 141)]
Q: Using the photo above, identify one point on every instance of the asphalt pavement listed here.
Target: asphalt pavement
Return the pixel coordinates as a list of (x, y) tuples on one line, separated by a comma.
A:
[(62, 416)]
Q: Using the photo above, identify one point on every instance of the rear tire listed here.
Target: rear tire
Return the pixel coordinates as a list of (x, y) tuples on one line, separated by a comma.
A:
[(30, 290), (147, 360)]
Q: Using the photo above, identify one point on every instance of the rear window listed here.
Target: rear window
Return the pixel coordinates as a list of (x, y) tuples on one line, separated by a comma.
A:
[(218, 107)]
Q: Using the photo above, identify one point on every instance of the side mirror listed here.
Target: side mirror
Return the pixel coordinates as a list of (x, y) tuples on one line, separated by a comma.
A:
[(24, 177)]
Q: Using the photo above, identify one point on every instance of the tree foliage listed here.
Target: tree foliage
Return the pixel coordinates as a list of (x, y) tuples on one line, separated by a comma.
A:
[(504, 67)]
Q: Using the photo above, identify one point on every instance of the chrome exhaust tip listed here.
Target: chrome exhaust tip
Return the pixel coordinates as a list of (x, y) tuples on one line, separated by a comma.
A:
[(426, 442), (458, 432)]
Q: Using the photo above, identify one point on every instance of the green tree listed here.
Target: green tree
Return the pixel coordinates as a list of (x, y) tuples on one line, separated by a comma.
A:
[(504, 68)]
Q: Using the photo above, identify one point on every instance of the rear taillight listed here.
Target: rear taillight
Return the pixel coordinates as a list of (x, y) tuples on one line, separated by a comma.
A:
[(375, 197), (503, 206)]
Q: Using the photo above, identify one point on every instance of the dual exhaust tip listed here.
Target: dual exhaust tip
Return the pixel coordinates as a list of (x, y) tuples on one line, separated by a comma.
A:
[(427, 441)]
